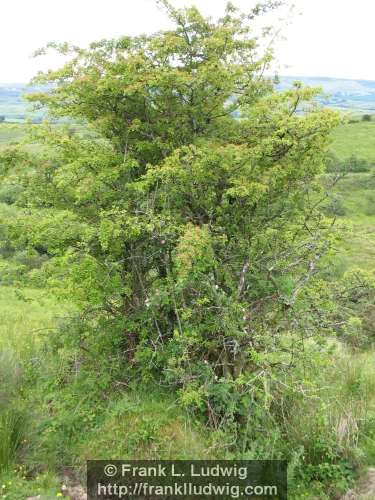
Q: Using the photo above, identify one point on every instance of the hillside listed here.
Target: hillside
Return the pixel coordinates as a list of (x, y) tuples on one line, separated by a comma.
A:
[(356, 96), (13, 107)]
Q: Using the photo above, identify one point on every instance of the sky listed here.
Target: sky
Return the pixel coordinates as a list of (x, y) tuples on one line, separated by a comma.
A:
[(332, 38)]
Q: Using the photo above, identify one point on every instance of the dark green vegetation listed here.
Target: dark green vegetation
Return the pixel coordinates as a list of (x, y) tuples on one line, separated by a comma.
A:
[(207, 305)]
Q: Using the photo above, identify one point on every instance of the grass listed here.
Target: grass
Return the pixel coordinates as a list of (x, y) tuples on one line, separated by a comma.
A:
[(147, 424), (12, 432), (15, 485), (356, 194), (26, 317), (337, 417), (357, 139)]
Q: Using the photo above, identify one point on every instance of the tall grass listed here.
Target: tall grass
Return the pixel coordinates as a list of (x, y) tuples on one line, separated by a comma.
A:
[(27, 316), (24, 322), (12, 418), (339, 409), (12, 431)]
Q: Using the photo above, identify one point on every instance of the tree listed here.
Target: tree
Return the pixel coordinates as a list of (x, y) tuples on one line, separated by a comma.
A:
[(192, 232), (2, 118), (366, 118)]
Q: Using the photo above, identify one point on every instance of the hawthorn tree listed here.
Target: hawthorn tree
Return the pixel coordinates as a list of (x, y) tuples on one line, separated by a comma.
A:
[(184, 221)]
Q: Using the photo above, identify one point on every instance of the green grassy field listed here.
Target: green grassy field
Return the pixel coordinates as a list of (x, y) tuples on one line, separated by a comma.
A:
[(355, 139), (356, 194)]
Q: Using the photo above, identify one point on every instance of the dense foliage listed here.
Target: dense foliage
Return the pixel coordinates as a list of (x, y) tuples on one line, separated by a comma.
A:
[(187, 226)]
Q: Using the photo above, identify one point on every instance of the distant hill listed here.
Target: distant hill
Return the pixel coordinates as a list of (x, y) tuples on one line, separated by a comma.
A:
[(350, 95), (12, 105)]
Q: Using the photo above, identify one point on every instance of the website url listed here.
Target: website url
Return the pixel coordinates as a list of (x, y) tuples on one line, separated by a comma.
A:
[(184, 489)]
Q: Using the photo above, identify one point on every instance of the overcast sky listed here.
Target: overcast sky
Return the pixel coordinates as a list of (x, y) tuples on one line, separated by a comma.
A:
[(325, 38)]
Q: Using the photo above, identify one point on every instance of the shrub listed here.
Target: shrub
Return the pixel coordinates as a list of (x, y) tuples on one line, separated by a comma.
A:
[(335, 208), (191, 247), (10, 193), (355, 164), (352, 164), (333, 163)]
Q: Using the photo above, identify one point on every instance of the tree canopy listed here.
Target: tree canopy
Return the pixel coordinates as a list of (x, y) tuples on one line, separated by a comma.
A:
[(185, 220)]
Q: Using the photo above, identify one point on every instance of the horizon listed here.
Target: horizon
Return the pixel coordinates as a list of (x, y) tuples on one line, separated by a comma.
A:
[(317, 77)]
